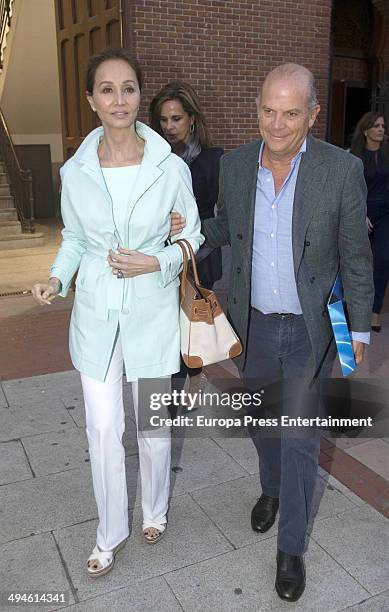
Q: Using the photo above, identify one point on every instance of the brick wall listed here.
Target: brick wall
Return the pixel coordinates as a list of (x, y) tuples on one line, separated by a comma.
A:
[(350, 69), (224, 48)]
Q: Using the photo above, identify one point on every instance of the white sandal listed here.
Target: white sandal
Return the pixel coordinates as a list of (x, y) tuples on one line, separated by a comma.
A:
[(106, 559), (159, 527)]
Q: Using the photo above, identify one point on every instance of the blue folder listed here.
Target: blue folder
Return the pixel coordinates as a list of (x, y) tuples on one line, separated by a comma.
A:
[(339, 325)]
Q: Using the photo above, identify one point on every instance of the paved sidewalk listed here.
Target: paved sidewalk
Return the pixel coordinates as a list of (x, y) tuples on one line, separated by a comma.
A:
[(210, 559)]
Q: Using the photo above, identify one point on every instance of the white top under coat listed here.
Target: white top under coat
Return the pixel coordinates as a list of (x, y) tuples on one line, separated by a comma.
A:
[(120, 182)]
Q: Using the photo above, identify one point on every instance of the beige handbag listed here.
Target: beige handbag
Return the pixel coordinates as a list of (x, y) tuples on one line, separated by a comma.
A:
[(206, 334)]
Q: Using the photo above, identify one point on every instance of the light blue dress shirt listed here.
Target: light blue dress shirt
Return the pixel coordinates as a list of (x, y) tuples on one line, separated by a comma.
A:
[(273, 284)]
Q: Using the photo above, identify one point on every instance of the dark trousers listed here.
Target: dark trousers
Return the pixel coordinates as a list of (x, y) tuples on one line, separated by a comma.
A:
[(379, 239), (178, 379), (279, 348)]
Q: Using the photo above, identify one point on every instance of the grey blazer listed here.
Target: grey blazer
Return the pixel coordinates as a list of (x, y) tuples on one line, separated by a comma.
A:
[(328, 232)]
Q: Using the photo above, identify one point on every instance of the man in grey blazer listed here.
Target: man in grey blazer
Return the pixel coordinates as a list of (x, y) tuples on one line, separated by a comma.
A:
[(293, 210)]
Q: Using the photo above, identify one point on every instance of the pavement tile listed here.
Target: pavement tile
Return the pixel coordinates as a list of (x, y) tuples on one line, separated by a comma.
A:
[(13, 463), (379, 603), (54, 452), (28, 390), (346, 443), (3, 399), (374, 454), (53, 501), (33, 564), (242, 450), (229, 505), (29, 419), (41, 504), (200, 462), (359, 540), (59, 451), (190, 537), (244, 580), (76, 409), (152, 594)]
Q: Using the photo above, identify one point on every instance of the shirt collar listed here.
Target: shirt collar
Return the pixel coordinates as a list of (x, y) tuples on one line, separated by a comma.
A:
[(302, 150)]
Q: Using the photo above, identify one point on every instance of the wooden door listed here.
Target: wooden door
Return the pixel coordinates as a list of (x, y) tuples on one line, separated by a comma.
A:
[(84, 27), (37, 158), (338, 110)]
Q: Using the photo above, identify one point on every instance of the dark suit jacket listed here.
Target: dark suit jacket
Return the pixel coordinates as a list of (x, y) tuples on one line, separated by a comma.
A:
[(205, 180), (328, 231)]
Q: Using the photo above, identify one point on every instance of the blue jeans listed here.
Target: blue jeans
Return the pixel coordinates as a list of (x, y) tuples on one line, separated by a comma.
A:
[(279, 348)]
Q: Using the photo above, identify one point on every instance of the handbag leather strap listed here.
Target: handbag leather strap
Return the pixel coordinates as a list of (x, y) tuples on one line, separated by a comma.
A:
[(182, 243), (184, 272), (192, 259)]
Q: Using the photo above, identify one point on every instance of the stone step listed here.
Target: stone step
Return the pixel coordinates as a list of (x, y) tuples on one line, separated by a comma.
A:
[(3, 178), (9, 228), (21, 241), (6, 201), (5, 190), (8, 214)]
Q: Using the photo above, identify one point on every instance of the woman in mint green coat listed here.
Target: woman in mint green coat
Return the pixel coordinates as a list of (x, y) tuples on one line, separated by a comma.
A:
[(118, 191)]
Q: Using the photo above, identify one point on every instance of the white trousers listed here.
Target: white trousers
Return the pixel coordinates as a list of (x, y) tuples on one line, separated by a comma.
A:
[(105, 427)]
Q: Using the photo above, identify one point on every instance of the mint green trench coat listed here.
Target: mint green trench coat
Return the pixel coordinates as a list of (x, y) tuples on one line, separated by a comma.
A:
[(148, 312)]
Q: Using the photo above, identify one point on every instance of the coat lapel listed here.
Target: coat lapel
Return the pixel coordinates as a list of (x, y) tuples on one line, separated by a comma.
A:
[(156, 151), (247, 192), (308, 193), (146, 177), (87, 157), (97, 176)]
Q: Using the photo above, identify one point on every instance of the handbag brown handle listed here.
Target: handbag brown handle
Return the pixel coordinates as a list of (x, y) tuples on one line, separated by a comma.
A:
[(181, 242), (184, 270), (192, 260)]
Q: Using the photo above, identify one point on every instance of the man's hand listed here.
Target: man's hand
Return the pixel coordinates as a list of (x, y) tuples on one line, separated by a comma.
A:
[(177, 223), (370, 226), (359, 351), (132, 263)]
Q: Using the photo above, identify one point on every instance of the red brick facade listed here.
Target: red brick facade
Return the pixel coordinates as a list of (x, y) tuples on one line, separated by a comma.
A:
[(350, 69), (224, 48)]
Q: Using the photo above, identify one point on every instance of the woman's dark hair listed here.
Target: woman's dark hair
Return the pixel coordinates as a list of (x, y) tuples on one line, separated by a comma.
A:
[(358, 142), (183, 92), (110, 54)]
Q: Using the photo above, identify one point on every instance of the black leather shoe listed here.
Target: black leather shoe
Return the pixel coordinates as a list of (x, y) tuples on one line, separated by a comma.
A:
[(290, 579), (264, 513)]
